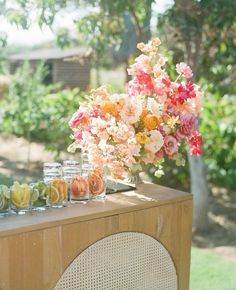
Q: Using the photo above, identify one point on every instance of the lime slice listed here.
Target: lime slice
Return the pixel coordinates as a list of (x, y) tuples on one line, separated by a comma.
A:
[(34, 194), (40, 202), (2, 202), (5, 191)]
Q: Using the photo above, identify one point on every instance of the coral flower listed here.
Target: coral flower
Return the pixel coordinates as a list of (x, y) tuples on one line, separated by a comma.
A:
[(151, 122)]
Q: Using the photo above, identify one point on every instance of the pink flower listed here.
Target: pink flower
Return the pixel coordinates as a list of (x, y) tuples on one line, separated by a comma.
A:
[(97, 113), (184, 92), (188, 123), (171, 146), (184, 70), (78, 136), (145, 80), (195, 142), (144, 62), (78, 118)]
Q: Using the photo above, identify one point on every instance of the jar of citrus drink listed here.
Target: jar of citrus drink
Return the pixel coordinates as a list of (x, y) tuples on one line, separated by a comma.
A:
[(57, 186), (40, 196), (97, 183), (4, 200), (79, 187), (20, 197), (77, 183)]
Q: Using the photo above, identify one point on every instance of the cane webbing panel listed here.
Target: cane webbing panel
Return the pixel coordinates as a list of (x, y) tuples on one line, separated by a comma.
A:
[(124, 261)]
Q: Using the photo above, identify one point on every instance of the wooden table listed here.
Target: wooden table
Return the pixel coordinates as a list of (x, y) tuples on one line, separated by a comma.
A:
[(37, 247)]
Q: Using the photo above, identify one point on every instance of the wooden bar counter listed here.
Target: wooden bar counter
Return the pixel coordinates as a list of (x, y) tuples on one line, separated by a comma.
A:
[(36, 248)]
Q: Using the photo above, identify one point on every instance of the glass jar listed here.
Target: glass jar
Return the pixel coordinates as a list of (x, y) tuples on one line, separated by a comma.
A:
[(97, 183), (4, 200), (79, 191), (20, 197), (57, 186), (39, 196), (52, 170)]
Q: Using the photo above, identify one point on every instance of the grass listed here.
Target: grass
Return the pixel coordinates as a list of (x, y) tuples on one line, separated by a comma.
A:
[(210, 271)]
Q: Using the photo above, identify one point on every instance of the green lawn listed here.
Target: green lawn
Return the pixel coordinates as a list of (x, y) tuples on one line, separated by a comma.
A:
[(211, 271)]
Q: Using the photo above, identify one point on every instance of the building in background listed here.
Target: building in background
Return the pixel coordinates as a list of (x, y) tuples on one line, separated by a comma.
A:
[(69, 66)]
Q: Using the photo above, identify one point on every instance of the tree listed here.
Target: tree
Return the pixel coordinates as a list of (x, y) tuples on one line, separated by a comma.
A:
[(204, 34), (21, 112), (100, 30)]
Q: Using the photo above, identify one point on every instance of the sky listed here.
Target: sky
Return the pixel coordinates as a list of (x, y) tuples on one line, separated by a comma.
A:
[(35, 35)]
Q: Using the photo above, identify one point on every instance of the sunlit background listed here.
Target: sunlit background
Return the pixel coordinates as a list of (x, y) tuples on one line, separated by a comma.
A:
[(39, 91)]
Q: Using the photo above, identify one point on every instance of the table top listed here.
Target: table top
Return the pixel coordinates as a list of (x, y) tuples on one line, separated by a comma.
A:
[(145, 196)]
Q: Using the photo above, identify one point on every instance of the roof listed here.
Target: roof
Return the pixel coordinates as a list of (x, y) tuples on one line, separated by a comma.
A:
[(49, 53)]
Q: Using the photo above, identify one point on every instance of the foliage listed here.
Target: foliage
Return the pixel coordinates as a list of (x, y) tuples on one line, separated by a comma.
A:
[(107, 30), (21, 113), (219, 128), (56, 109), (33, 112), (3, 44)]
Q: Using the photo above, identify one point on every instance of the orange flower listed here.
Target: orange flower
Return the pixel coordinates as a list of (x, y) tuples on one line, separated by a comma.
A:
[(144, 113), (110, 108), (151, 122)]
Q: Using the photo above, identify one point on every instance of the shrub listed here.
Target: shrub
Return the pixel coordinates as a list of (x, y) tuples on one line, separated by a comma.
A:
[(33, 111)]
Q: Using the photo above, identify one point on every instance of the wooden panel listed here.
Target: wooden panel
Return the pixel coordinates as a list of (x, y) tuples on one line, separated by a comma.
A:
[(169, 224), (33, 260), (36, 259), (4, 264), (185, 244), (16, 248)]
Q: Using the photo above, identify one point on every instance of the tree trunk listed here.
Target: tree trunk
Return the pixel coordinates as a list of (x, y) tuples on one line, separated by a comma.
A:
[(200, 192), (98, 75)]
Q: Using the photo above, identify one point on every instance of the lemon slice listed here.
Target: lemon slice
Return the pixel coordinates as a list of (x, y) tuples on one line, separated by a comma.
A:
[(26, 193), (54, 194), (20, 195), (21, 205)]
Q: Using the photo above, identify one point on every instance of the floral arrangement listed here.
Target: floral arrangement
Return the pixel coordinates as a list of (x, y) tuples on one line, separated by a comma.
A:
[(152, 121)]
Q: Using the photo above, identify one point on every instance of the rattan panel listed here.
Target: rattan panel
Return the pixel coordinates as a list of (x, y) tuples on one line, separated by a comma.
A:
[(124, 261)]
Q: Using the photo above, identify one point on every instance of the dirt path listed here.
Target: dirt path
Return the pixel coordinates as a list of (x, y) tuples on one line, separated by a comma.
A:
[(14, 155)]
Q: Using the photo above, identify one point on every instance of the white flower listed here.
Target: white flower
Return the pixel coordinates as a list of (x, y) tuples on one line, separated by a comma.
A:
[(156, 141), (131, 111), (155, 107)]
